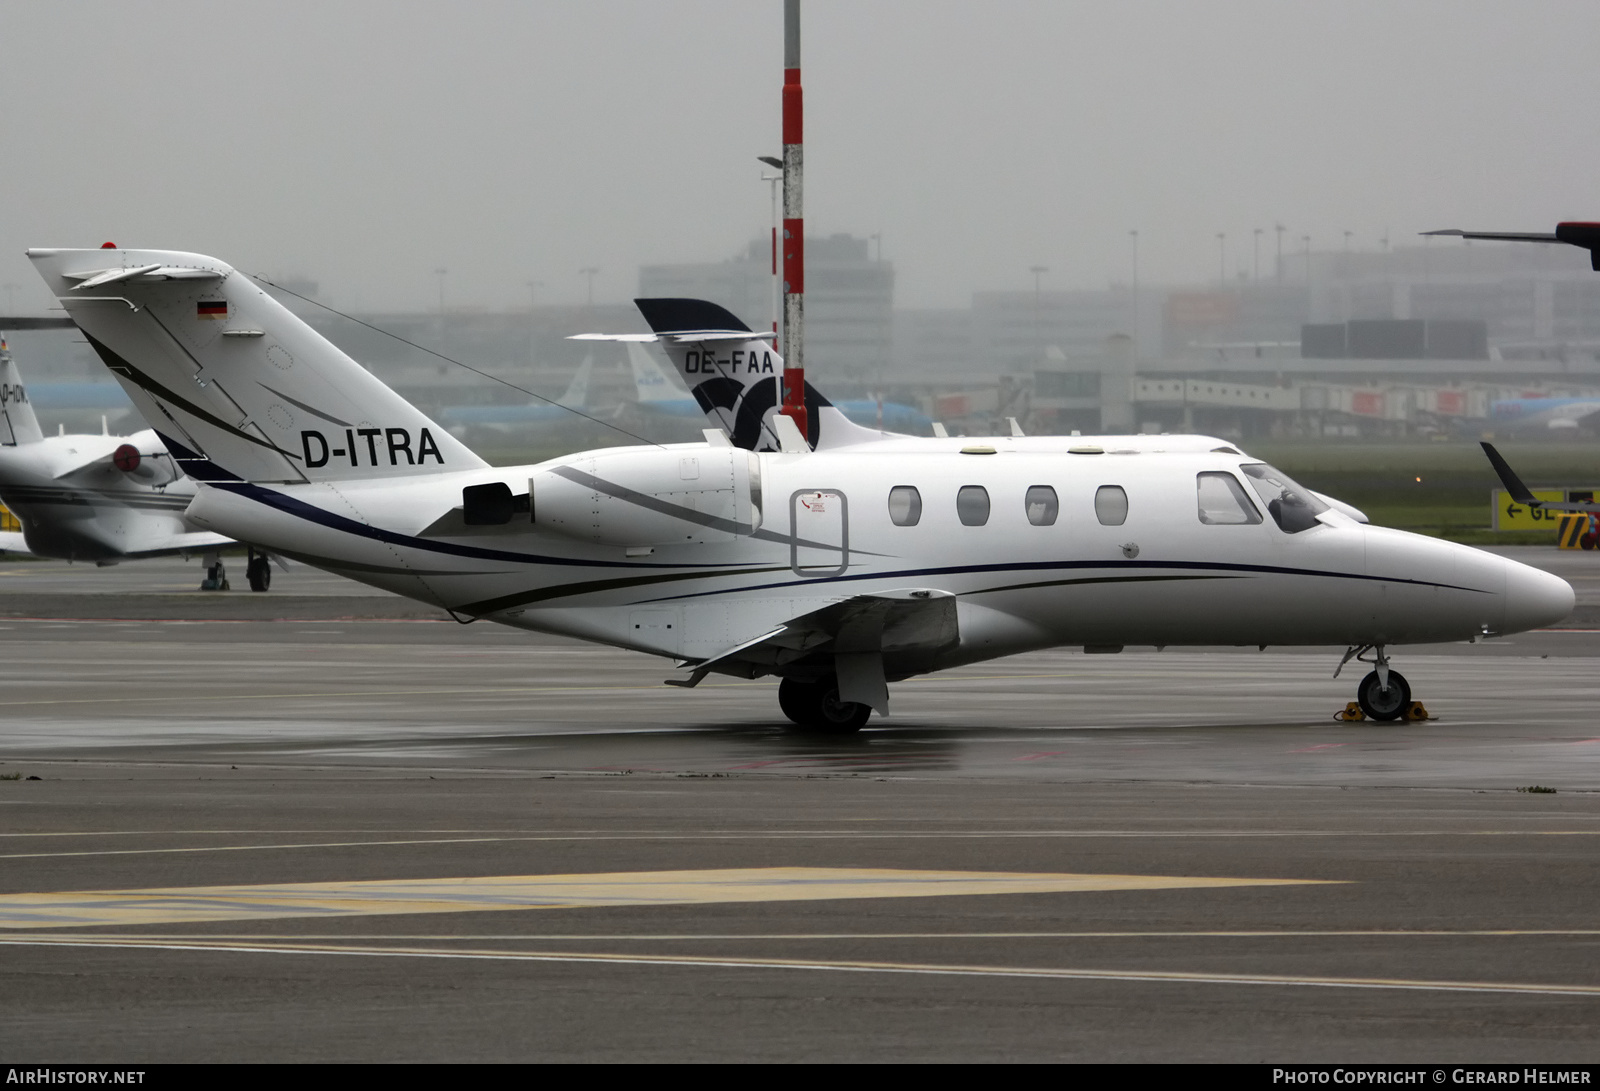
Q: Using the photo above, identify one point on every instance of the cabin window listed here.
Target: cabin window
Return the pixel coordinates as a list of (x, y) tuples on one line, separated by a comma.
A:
[(1223, 501), (905, 506), (1111, 505), (1293, 507), (1041, 505), (972, 505)]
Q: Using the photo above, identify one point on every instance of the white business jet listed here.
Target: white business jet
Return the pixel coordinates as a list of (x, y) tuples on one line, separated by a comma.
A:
[(839, 561), (96, 498)]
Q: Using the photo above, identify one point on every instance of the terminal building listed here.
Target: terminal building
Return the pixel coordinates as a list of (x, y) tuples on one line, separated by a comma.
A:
[(849, 301), (1420, 340)]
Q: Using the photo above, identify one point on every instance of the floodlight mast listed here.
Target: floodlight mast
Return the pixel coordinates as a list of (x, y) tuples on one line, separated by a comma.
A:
[(794, 234)]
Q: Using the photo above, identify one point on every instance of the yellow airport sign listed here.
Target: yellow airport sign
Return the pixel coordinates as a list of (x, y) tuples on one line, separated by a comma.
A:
[(1510, 515)]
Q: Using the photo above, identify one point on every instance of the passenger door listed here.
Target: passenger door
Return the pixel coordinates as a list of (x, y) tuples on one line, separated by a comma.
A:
[(820, 545)]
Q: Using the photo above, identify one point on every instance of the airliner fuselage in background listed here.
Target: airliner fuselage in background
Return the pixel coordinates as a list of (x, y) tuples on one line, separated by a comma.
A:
[(840, 561)]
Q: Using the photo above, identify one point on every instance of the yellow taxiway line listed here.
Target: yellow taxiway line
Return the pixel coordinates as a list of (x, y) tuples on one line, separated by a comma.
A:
[(177, 905)]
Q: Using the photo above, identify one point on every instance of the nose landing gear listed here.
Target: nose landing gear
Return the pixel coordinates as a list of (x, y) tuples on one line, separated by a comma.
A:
[(1384, 694)]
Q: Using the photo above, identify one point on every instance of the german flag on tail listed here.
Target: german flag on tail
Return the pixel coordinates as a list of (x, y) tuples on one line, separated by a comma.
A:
[(209, 308)]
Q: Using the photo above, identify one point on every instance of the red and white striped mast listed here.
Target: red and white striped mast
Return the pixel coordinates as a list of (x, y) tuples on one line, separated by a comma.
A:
[(794, 234)]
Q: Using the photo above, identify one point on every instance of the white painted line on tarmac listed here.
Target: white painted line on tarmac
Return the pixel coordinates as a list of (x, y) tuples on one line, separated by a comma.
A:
[(915, 968), (791, 835)]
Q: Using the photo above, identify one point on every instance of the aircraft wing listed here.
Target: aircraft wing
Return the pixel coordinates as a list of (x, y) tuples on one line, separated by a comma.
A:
[(1573, 233), (1499, 236), (186, 542), (857, 632), (1522, 494)]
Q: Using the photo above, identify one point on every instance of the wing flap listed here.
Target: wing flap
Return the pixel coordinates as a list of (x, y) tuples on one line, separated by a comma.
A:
[(859, 633)]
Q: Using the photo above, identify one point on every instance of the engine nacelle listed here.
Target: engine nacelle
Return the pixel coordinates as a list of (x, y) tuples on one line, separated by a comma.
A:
[(671, 496), (156, 468)]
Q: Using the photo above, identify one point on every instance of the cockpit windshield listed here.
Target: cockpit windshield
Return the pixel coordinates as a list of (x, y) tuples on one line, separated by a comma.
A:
[(1293, 507)]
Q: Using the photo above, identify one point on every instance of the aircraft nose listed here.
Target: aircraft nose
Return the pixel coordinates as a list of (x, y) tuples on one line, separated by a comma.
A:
[(1534, 598)]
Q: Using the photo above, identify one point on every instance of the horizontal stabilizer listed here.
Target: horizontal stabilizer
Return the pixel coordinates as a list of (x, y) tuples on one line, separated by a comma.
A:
[(1499, 236), (1586, 236), (679, 338), (95, 278)]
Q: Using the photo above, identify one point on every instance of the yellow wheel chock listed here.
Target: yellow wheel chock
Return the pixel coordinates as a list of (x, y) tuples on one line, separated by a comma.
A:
[(1351, 713)]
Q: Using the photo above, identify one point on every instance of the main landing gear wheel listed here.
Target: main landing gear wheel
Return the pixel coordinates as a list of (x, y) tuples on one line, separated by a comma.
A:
[(1384, 704), (816, 706), (258, 570)]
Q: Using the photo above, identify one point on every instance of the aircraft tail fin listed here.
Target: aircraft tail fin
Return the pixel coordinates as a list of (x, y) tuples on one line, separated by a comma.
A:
[(736, 374), (18, 423), (650, 382), (577, 395), (238, 387)]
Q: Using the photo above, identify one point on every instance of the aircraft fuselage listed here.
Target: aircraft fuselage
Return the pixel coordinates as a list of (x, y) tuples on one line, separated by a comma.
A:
[(827, 532)]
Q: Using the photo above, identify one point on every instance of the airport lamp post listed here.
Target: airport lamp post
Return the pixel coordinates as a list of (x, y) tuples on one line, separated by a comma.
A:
[(1279, 229), (1134, 236), (1255, 257), (1038, 340), (533, 321), (590, 272)]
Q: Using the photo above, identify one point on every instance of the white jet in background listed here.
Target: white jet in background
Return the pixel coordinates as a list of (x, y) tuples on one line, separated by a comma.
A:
[(97, 498), (840, 561)]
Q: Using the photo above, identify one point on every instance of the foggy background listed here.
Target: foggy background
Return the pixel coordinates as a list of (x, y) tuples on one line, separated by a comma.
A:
[(364, 145)]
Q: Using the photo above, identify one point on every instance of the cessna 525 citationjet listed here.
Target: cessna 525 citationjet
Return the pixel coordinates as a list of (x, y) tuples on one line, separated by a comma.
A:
[(96, 498), (839, 561)]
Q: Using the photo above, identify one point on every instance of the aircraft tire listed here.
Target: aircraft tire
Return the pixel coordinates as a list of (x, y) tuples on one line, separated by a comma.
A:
[(793, 700), (259, 572), (1380, 705), (815, 706)]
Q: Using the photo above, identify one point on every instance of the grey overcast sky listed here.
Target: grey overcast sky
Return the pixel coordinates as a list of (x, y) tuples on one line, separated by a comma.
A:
[(365, 145)]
